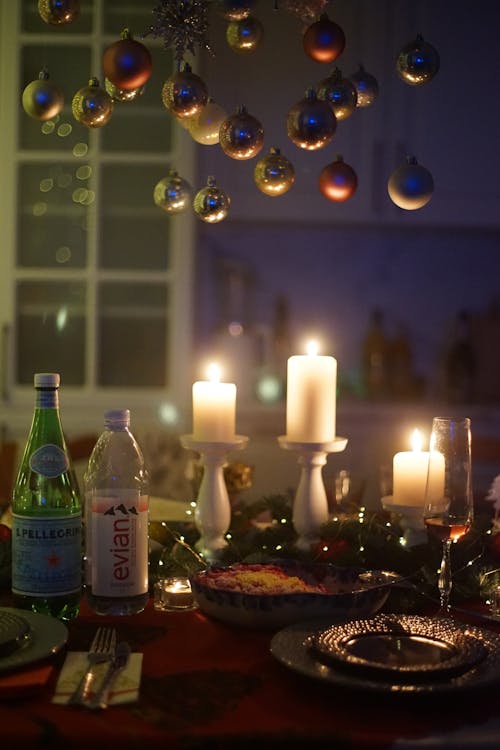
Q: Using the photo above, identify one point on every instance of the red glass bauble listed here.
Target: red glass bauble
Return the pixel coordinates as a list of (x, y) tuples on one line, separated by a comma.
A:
[(324, 40), (410, 186), (311, 123), (127, 63), (241, 136), (338, 181)]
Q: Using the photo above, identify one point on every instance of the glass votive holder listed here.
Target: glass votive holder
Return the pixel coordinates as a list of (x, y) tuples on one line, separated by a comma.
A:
[(173, 595)]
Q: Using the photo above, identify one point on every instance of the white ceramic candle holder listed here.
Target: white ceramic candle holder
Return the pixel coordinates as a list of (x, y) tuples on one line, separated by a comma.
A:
[(310, 505), (412, 520), (213, 510)]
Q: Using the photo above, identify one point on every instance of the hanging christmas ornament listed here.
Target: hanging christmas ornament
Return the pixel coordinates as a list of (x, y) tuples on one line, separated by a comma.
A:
[(204, 128), (418, 62), (234, 10), (184, 94), (306, 11), (274, 174), (58, 12), (122, 95), (340, 93), (311, 123), (324, 40), (211, 203), (182, 24), (172, 194), (92, 105), (366, 87), (127, 63), (245, 36), (410, 186), (241, 135), (338, 181), (41, 98)]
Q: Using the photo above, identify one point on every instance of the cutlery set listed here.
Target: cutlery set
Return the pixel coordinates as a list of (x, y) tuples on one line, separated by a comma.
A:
[(91, 691)]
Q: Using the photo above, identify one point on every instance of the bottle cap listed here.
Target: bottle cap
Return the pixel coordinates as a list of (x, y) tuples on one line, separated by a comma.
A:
[(117, 418), (47, 380)]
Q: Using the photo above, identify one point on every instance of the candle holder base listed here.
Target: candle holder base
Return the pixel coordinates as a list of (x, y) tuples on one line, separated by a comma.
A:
[(213, 509), (412, 520), (310, 505)]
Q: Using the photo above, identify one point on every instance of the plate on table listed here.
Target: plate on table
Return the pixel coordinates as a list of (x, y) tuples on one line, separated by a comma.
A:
[(295, 647), (44, 636)]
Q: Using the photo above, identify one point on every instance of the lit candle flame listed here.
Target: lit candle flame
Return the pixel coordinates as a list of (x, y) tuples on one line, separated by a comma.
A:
[(416, 441), (312, 348), (214, 372)]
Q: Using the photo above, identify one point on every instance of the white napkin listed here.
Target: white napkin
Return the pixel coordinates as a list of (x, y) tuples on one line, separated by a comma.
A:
[(124, 689)]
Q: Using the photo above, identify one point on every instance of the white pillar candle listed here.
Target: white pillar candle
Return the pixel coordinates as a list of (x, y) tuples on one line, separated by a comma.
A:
[(311, 397), (214, 408), (410, 474)]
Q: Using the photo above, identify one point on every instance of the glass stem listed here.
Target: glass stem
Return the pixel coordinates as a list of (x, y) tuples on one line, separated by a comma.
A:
[(444, 580)]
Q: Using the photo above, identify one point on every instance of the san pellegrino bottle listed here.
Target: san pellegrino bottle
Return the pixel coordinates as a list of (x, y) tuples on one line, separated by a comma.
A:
[(47, 514), (116, 520)]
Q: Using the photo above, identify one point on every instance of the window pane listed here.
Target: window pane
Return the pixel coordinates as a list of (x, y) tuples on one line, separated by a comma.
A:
[(132, 334), (50, 318), (134, 232), (63, 133), (52, 223)]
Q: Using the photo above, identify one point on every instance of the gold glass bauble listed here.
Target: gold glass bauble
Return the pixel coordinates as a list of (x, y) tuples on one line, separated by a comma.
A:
[(42, 99), (338, 181), (57, 12), (311, 123), (204, 128), (274, 174), (122, 95), (410, 186), (184, 94), (172, 194), (211, 204), (366, 87), (323, 40), (245, 36), (92, 105), (418, 62), (241, 135), (127, 63), (340, 93)]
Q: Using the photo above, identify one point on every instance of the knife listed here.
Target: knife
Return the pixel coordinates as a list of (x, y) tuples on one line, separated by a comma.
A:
[(116, 665)]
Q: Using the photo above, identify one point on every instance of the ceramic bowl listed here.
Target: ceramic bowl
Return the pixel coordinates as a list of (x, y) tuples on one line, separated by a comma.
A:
[(347, 593)]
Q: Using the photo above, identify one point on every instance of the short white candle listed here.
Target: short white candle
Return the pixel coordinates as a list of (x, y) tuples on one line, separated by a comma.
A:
[(214, 408), (410, 474), (311, 397)]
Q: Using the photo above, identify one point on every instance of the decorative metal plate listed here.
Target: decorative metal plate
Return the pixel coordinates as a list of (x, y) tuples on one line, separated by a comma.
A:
[(15, 632)]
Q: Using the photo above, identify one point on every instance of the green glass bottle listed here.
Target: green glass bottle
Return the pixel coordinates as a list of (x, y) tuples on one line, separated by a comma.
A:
[(47, 515)]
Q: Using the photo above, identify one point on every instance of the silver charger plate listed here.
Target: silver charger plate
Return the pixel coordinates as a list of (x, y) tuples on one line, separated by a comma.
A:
[(293, 647), (402, 647), (47, 636)]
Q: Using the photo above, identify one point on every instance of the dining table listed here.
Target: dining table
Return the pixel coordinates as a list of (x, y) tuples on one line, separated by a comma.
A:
[(205, 683)]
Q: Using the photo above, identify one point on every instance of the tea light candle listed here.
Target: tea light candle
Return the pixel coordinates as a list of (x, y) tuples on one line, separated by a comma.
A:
[(214, 408), (173, 593), (410, 474), (311, 397)]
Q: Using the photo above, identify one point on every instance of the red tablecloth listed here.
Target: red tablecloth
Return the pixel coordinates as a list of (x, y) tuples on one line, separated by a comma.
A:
[(205, 684)]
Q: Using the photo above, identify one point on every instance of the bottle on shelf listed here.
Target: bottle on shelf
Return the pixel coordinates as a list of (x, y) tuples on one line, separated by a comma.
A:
[(47, 514), (375, 351), (116, 521), (460, 362)]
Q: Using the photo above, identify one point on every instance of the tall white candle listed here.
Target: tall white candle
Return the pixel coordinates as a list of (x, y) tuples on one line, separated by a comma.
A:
[(311, 397), (214, 408), (410, 474)]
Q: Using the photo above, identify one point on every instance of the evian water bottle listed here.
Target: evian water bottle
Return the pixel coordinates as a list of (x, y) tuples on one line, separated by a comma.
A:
[(116, 521)]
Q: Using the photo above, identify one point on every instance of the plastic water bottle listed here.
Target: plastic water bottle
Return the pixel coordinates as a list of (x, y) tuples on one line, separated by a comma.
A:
[(47, 515), (116, 520)]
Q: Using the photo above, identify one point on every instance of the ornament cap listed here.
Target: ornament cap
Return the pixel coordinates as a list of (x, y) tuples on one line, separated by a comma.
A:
[(410, 159), (310, 94), (125, 34), (274, 150), (211, 181), (241, 109), (338, 158), (94, 82), (43, 74)]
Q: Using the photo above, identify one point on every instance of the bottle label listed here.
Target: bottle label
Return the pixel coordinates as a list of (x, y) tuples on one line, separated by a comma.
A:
[(118, 544), (46, 555), (49, 461)]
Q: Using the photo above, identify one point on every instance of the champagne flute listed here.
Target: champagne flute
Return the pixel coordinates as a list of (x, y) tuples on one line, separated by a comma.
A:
[(448, 508)]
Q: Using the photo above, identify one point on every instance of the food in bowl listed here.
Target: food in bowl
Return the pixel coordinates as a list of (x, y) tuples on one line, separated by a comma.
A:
[(276, 594)]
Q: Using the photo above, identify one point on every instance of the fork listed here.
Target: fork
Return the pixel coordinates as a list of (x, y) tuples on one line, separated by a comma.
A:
[(101, 649)]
